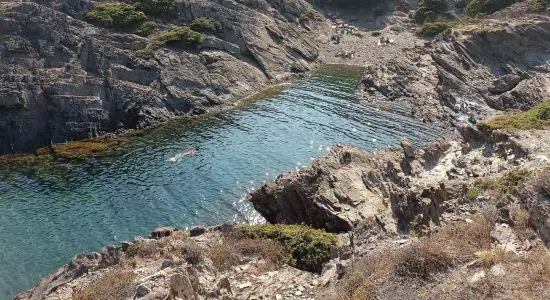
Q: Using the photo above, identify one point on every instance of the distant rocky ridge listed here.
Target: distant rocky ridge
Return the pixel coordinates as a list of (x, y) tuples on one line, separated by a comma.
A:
[(65, 79)]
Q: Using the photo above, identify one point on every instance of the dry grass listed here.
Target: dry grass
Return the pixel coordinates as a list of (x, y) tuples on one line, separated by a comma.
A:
[(453, 245), (232, 252), (114, 285), (192, 252), (423, 260)]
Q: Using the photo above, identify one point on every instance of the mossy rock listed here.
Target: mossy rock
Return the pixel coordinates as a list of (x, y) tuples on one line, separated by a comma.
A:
[(159, 8), (308, 248)]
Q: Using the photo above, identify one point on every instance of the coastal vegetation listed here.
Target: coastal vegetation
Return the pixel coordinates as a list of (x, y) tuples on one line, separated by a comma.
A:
[(308, 248), (179, 34), (537, 117), (116, 15), (206, 25)]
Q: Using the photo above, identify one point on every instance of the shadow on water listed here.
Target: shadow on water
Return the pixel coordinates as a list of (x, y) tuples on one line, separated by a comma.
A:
[(47, 217)]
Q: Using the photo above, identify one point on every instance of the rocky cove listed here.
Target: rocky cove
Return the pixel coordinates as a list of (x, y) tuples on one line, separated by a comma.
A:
[(458, 218)]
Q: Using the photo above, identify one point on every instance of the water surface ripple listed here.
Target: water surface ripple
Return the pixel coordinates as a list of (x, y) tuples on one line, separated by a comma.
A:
[(47, 217)]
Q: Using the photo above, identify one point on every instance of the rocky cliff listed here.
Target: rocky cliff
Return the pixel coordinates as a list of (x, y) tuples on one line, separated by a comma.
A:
[(495, 63), (64, 78)]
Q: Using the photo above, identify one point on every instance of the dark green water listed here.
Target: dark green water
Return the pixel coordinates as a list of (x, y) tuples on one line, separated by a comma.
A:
[(46, 218)]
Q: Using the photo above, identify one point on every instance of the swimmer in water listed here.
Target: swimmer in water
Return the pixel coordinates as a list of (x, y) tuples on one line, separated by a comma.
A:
[(189, 152)]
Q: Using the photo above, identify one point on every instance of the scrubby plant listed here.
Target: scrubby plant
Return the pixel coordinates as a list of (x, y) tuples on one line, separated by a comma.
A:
[(115, 284), (539, 5), (207, 25), (472, 193), (119, 15), (160, 8), (427, 11), (308, 15), (308, 248), (536, 118), (180, 33), (147, 53), (146, 28), (192, 252), (433, 29), (483, 7), (375, 33), (506, 182)]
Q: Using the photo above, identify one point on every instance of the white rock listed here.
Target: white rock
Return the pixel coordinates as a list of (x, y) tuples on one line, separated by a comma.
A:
[(497, 270), (298, 293), (243, 286), (477, 277)]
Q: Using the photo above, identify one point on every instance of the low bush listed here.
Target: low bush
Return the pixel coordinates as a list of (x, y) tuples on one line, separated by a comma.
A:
[(207, 25), (427, 11), (542, 182), (179, 34), (159, 8), (146, 28), (472, 193), (506, 182), (423, 260), (308, 248), (114, 285), (539, 5), (433, 29), (483, 7), (147, 53), (375, 33), (192, 252), (537, 117), (117, 15), (308, 15)]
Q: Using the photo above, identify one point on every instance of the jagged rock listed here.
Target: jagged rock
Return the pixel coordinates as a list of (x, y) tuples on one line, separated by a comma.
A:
[(163, 232), (224, 284), (408, 148), (142, 291)]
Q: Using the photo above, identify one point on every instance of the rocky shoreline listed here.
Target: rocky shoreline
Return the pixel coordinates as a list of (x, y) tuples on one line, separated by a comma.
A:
[(455, 219)]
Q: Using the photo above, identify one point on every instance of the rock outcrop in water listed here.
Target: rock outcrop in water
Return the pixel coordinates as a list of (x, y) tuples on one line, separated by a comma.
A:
[(66, 79)]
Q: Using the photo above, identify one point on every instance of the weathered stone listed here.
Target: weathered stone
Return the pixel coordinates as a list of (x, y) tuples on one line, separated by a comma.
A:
[(197, 230), (180, 286)]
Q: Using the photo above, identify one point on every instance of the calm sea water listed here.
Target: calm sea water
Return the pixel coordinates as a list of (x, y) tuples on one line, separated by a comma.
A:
[(47, 217)]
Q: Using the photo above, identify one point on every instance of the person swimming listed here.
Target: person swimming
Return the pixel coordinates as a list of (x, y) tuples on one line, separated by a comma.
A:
[(188, 152)]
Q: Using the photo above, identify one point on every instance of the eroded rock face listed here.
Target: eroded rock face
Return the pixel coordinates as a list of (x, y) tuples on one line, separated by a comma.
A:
[(349, 185), (64, 79), (489, 65)]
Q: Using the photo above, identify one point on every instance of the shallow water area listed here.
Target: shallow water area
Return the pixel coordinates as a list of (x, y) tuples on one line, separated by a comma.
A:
[(46, 217)]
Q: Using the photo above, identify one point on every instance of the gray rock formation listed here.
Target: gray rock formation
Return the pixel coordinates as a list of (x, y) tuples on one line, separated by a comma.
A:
[(64, 79), (349, 185), (489, 65)]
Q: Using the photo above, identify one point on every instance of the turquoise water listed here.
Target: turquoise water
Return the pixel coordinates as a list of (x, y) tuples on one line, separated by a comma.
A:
[(47, 217)]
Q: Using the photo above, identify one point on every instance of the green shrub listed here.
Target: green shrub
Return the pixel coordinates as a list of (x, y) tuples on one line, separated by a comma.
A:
[(375, 33), (428, 10), (160, 8), (433, 29), (146, 53), (203, 24), (146, 28), (308, 15), (180, 33), (537, 117), (308, 248), (539, 5), (482, 7), (472, 193), (506, 182), (115, 15)]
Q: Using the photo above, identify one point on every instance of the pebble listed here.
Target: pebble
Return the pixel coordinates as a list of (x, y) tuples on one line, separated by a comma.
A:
[(298, 293)]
